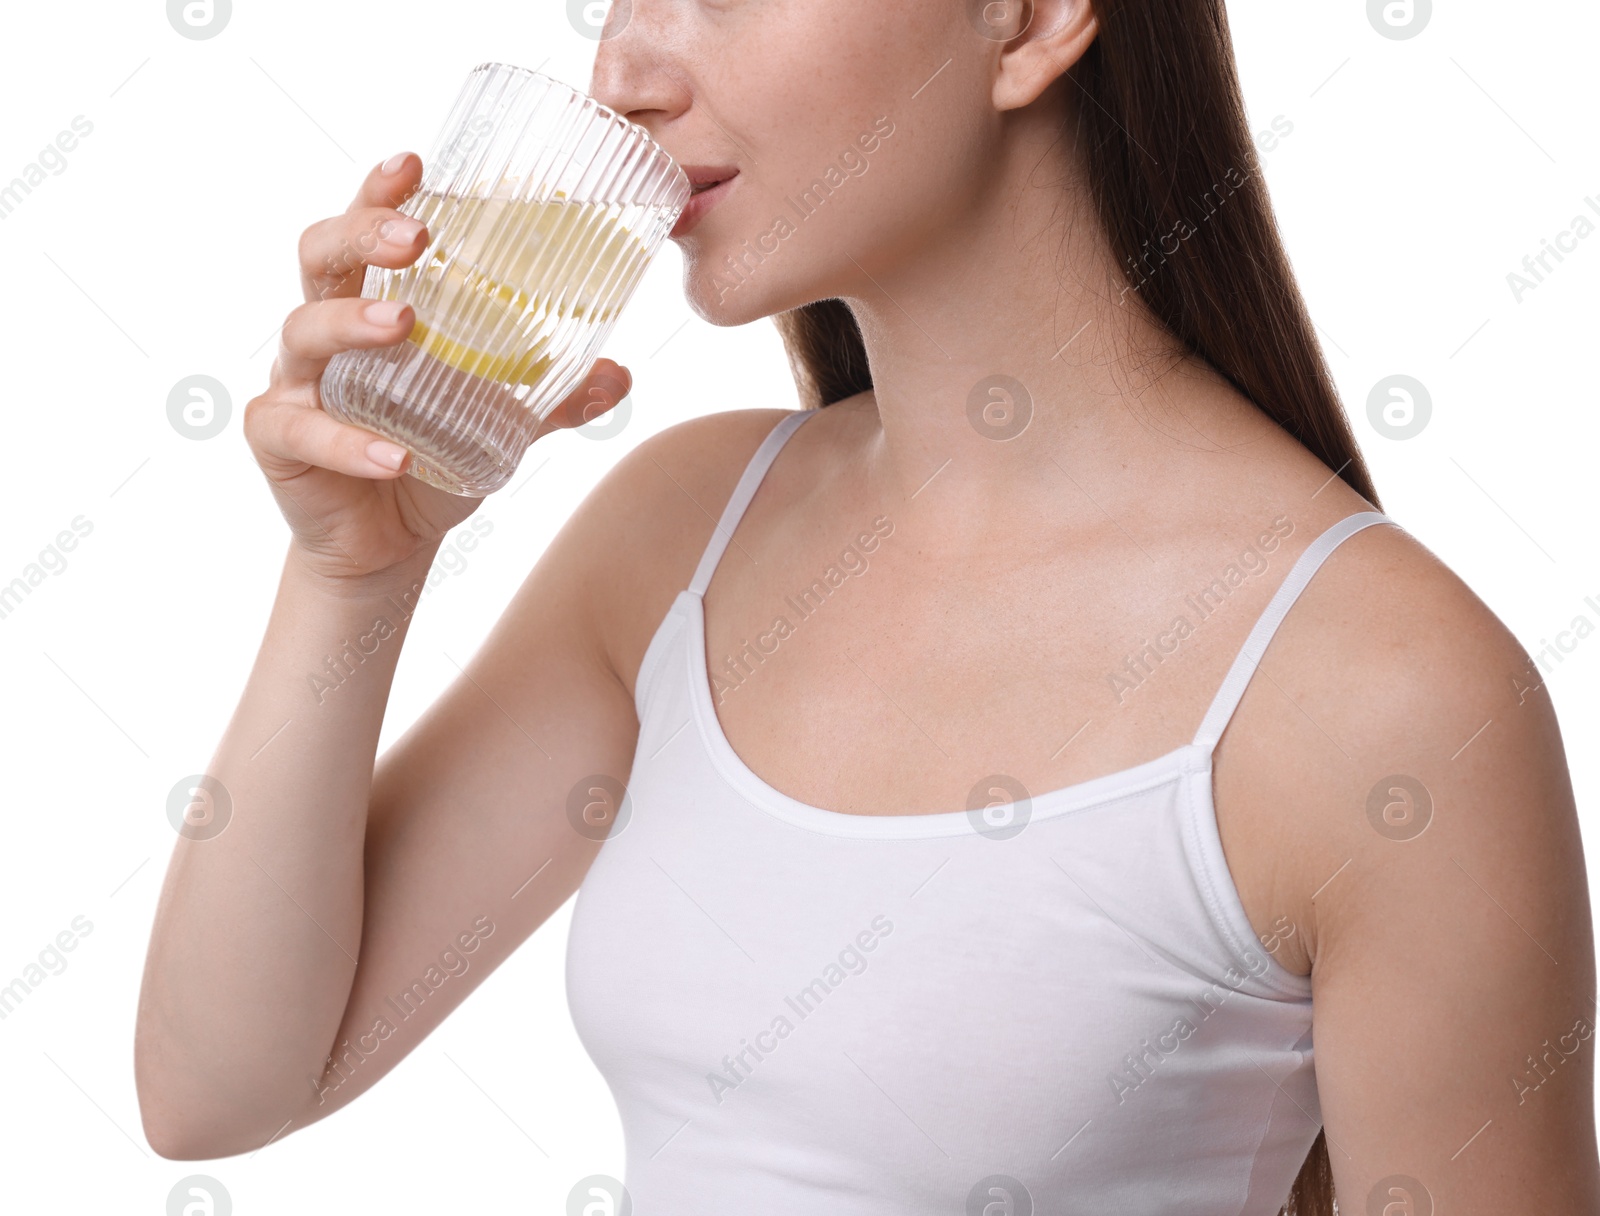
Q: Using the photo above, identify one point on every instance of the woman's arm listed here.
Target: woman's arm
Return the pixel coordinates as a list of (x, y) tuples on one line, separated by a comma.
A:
[(304, 951), (1454, 972), (344, 912)]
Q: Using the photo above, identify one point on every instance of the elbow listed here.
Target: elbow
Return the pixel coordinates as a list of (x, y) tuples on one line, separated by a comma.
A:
[(185, 1123), (166, 1115), (170, 1134), (177, 1143), (181, 1138), (175, 1132)]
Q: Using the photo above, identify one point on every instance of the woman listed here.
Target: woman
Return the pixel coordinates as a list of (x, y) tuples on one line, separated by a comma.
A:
[(977, 852)]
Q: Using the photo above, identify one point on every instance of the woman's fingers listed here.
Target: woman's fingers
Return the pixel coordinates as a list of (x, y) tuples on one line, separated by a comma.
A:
[(607, 383), (287, 438), (316, 331), (389, 184), (335, 252)]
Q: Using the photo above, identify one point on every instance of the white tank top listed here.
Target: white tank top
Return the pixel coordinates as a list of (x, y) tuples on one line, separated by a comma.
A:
[(1056, 1005)]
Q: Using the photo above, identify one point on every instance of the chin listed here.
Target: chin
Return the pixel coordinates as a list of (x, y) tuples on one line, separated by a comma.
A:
[(720, 296)]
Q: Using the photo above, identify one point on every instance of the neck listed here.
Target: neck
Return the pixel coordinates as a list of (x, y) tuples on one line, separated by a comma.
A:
[(1010, 361)]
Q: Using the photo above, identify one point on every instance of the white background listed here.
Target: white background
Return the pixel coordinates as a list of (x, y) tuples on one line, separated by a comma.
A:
[(1418, 175)]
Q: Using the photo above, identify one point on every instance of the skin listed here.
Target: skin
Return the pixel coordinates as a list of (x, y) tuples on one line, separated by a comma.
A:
[(1031, 568)]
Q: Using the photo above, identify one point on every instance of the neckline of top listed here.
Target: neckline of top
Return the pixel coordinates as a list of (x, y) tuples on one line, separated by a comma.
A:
[(1094, 791)]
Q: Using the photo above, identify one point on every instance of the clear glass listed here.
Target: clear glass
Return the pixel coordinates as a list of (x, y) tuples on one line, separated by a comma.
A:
[(544, 209)]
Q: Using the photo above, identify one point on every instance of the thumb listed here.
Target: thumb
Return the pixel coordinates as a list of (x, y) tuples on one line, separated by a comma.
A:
[(602, 390)]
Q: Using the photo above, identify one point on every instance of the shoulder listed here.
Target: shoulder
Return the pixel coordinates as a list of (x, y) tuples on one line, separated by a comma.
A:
[(1437, 852), (1399, 702), (1416, 650), (665, 495), (690, 461), (652, 515), (1442, 726), (1425, 673)]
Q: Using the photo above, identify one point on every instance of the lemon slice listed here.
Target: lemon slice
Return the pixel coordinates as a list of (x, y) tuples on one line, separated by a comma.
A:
[(554, 260)]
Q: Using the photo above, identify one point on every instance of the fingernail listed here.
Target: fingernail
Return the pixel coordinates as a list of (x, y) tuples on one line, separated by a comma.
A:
[(383, 312), (401, 231), (389, 455), (392, 165)]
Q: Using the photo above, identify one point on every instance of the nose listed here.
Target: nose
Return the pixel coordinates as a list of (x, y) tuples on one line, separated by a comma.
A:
[(631, 73)]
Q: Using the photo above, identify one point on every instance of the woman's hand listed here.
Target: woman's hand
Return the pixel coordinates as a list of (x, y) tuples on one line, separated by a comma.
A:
[(351, 506)]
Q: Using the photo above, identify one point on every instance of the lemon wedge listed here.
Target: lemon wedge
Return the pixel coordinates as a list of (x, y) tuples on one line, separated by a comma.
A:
[(552, 260)]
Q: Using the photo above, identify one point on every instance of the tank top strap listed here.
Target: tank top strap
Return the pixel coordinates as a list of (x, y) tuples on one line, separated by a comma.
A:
[(743, 492), (1249, 656)]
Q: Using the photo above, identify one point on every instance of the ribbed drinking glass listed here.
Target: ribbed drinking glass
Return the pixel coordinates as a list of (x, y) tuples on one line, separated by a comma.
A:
[(543, 210)]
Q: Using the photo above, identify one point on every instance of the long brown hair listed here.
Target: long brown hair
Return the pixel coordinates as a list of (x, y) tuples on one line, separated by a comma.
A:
[(1161, 121)]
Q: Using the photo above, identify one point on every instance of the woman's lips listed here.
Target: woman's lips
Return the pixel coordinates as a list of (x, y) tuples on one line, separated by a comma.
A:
[(701, 203)]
